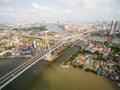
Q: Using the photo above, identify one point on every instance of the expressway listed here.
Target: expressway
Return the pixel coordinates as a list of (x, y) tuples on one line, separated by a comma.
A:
[(37, 37), (6, 79)]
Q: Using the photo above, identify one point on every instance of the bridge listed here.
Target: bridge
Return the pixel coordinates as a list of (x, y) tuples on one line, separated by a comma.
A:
[(6, 79), (37, 37)]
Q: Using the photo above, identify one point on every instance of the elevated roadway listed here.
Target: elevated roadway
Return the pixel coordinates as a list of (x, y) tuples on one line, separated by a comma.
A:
[(6, 79)]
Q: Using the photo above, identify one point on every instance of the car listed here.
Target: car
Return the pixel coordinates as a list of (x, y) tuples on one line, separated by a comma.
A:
[(13, 75)]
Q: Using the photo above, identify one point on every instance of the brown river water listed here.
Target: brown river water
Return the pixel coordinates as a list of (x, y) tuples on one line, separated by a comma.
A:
[(51, 76)]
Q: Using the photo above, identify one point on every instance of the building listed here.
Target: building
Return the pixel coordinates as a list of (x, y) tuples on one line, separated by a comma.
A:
[(113, 28)]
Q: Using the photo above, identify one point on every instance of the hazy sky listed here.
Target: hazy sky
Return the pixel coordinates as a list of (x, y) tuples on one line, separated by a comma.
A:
[(37, 10)]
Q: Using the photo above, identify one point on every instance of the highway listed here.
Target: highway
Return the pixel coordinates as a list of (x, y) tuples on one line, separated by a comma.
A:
[(20, 69), (38, 37), (6, 79)]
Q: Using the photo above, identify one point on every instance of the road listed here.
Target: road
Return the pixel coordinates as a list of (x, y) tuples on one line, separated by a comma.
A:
[(20, 69)]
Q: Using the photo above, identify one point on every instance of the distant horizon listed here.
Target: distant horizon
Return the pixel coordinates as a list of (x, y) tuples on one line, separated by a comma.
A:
[(20, 11), (60, 21)]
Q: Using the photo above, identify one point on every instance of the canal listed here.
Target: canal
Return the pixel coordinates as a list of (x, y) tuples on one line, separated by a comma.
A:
[(51, 76)]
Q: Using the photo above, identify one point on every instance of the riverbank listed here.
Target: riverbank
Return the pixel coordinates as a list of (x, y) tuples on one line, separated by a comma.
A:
[(51, 76)]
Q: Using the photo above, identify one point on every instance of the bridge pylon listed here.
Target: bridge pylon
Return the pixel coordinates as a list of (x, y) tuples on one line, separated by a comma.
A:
[(47, 46)]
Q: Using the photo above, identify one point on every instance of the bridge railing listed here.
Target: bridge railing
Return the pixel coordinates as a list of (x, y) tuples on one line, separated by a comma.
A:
[(23, 67)]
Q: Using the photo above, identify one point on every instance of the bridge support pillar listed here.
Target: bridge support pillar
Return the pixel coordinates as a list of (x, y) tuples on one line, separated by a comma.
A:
[(48, 57)]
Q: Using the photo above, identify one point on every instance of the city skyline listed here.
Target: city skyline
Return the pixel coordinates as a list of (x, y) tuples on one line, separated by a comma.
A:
[(54, 10)]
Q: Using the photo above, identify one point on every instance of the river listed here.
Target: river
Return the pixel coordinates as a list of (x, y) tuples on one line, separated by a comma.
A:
[(56, 28), (8, 64), (51, 76), (46, 75)]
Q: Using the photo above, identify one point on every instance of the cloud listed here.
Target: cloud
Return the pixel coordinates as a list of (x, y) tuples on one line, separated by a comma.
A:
[(94, 3), (118, 11), (69, 2), (36, 12), (49, 9), (65, 11), (15, 12), (5, 1), (35, 5), (91, 3), (43, 8), (88, 4), (7, 9), (66, 1), (60, 9), (108, 8), (68, 11)]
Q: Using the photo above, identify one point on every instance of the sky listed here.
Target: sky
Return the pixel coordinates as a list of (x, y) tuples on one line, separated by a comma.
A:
[(54, 10)]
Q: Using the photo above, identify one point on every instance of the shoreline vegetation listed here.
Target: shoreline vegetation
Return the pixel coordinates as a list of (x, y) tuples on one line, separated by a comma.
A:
[(111, 71)]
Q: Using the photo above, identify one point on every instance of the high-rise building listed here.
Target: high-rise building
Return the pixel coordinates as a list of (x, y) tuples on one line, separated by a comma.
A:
[(113, 27)]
